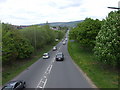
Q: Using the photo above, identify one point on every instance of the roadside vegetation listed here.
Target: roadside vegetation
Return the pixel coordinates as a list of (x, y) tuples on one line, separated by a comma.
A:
[(23, 47), (96, 49)]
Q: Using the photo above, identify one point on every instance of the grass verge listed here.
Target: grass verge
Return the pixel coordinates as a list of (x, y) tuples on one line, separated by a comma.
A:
[(13, 70), (102, 76)]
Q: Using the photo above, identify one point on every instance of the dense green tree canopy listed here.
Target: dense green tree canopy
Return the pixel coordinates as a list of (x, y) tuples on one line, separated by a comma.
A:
[(86, 31), (21, 43), (14, 44), (107, 47)]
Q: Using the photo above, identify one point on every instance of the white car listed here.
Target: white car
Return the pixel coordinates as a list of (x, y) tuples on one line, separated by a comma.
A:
[(66, 39), (54, 48), (64, 42), (46, 55), (56, 40)]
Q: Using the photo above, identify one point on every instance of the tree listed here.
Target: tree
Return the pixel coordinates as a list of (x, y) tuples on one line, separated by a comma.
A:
[(107, 47), (86, 31), (14, 45)]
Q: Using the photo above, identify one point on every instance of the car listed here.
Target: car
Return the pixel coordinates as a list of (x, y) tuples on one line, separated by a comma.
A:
[(59, 56), (66, 39), (14, 85), (64, 42), (56, 40), (54, 48), (46, 55)]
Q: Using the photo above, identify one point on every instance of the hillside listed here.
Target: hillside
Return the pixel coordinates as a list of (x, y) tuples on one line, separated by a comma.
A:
[(68, 24)]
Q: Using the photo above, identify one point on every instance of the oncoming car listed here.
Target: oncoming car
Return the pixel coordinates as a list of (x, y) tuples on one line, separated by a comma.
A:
[(64, 42), (54, 48), (46, 55), (14, 85)]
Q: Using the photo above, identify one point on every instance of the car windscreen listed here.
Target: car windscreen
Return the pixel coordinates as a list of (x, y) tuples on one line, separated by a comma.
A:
[(59, 55), (7, 87), (45, 54)]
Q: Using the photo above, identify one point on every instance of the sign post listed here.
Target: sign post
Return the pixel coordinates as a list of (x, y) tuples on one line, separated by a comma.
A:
[(116, 7)]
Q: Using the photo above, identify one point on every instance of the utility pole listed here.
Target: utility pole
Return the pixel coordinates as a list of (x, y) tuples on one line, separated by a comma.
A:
[(35, 39)]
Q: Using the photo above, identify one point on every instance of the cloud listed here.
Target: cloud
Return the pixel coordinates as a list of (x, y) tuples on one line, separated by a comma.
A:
[(20, 12)]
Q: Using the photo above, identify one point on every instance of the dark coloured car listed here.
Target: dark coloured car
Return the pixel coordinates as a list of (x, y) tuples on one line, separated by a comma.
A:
[(59, 56), (46, 55), (14, 85)]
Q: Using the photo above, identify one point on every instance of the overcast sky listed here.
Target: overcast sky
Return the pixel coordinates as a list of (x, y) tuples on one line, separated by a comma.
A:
[(27, 12)]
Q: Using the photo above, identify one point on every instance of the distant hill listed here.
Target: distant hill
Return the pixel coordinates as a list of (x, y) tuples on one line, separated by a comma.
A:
[(62, 24)]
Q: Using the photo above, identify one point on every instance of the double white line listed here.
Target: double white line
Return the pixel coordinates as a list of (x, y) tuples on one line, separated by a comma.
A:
[(43, 81)]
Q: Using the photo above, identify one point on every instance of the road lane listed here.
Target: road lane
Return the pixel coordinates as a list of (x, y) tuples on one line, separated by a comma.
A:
[(48, 73), (65, 74), (33, 74)]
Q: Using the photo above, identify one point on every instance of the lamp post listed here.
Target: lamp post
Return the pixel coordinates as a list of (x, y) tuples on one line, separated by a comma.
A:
[(116, 7), (35, 39)]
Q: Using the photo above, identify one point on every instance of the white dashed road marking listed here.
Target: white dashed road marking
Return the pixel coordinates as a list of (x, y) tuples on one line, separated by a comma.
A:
[(43, 80)]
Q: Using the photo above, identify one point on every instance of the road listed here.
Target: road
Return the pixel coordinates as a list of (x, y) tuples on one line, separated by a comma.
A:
[(48, 73)]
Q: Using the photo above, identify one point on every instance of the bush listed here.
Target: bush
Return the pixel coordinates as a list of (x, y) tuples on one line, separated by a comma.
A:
[(107, 47)]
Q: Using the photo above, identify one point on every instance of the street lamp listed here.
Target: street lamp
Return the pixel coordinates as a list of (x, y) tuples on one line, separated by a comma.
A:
[(116, 7)]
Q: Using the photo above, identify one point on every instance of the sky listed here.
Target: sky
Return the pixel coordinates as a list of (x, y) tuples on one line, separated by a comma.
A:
[(29, 12)]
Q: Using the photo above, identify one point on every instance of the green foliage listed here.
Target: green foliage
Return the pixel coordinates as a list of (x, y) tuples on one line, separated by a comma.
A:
[(38, 35), (21, 43), (86, 31), (107, 47), (102, 77), (14, 45), (59, 34)]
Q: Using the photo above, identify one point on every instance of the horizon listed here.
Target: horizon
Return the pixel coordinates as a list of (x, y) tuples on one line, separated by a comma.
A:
[(44, 23), (22, 12)]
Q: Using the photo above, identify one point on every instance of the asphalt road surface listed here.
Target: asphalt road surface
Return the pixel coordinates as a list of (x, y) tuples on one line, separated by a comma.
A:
[(48, 73)]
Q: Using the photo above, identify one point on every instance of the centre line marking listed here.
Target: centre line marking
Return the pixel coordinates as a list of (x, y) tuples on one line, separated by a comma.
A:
[(50, 69), (45, 83), (43, 80)]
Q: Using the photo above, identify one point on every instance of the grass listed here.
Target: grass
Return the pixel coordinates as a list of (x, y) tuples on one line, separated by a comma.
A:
[(102, 76), (10, 71)]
